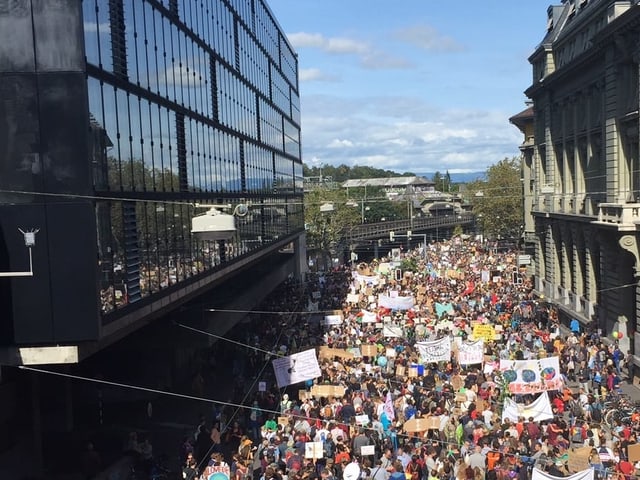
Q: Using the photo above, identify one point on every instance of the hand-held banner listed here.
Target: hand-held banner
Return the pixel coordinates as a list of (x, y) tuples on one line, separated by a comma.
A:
[(470, 353), (539, 409), (583, 475), (395, 303), (435, 351), (532, 376)]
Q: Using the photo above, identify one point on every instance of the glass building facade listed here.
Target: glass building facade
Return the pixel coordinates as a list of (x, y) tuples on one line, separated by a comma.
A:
[(117, 118), (190, 102)]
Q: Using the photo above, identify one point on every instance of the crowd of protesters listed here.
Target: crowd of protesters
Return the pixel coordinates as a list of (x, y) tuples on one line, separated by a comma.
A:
[(375, 395)]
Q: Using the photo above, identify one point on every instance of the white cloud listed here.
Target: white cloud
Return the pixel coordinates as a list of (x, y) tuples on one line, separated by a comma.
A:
[(369, 57), (428, 38), (383, 133)]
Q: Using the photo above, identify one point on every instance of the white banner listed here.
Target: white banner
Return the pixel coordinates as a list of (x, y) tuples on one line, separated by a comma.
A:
[(366, 279), (332, 319), (583, 475), (539, 409), (435, 351), (532, 376), (470, 353), (395, 303), (392, 331), (353, 298), (296, 368), (368, 317)]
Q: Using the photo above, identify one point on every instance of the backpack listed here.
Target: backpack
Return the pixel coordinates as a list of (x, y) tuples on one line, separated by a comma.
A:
[(576, 408), (596, 413)]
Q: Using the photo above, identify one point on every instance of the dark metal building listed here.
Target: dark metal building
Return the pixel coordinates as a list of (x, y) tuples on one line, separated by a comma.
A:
[(118, 117)]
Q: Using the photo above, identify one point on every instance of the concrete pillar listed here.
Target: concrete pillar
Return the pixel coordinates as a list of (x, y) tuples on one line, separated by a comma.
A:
[(300, 252)]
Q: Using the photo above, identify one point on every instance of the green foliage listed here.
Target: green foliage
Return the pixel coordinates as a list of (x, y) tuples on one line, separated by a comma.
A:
[(326, 230), (342, 173), (443, 183), (409, 265), (498, 201)]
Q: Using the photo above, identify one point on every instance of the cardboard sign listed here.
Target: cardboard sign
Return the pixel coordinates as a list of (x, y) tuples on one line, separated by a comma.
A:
[(368, 350), (433, 423), (461, 397), (313, 450), (327, 352), (457, 382), (578, 459), (416, 425), (284, 421), (634, 452), (304, 394), (400, 371), (327, 391)]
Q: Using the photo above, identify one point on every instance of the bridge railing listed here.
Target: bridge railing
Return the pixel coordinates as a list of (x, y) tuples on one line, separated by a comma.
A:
[(417, 225)]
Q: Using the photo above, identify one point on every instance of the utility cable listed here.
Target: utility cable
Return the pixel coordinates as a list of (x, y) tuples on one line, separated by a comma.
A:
[(238, 406)]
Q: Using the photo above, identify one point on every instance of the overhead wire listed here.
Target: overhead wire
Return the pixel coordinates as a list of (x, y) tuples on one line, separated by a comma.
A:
[(237, 406)]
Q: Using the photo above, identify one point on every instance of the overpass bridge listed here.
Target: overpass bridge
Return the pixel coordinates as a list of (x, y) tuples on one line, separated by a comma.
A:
[(369, 240)]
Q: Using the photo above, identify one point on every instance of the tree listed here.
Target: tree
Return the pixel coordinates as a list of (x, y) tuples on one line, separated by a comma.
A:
[(498, 201), (327, 229)]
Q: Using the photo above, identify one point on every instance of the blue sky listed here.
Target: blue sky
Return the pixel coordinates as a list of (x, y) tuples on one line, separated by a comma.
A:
[(412, 85)]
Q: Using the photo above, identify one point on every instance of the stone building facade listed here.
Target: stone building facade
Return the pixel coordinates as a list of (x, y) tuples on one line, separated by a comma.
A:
[(581, 167)]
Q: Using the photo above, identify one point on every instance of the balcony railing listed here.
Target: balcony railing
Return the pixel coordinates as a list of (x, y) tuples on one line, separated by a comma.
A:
[(624, 216)]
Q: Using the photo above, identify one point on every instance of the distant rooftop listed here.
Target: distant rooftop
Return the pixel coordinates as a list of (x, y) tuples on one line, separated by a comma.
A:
[(388, 182)]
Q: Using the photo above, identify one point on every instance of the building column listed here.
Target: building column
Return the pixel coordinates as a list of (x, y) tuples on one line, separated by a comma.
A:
[(300, 252), (630, 244)]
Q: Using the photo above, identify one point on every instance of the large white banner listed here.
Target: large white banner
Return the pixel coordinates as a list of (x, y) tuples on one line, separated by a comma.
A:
[(583, 475), (470, 353), (539, 409), (435, 351), (296, 368), (532, 376), (392, 331), (395, 303)]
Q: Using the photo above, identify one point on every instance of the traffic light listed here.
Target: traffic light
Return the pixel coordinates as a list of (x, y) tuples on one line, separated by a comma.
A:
[(392, 236), (398, 274)]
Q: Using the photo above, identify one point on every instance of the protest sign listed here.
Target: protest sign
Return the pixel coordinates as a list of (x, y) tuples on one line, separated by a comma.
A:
[(368, 350), (482, 331), (328, 352), (217, 472), (634, 452), (296, 368), (578, 459), (367, 450), (532, 376), (313, 450), (470, 353), (435, 351)]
